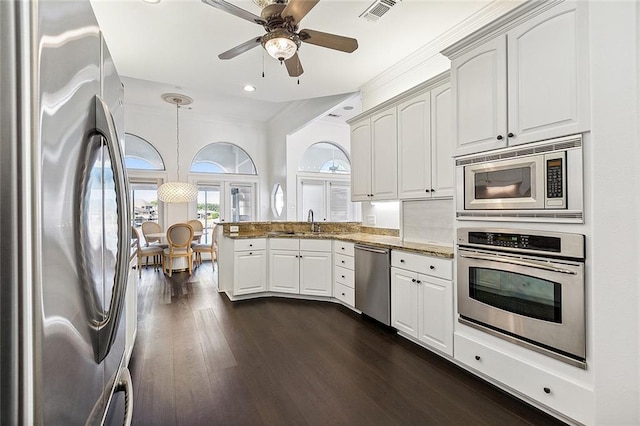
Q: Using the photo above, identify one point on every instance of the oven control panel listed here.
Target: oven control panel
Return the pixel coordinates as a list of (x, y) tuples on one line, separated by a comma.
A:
[(545, 243), (523, 241)]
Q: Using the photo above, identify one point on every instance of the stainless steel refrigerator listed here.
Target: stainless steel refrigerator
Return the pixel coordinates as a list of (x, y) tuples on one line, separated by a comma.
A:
[(64, 226)]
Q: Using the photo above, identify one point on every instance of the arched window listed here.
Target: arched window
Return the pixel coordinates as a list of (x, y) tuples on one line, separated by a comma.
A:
[(325, 157), (223, 157), (140, 154), (324, 184)]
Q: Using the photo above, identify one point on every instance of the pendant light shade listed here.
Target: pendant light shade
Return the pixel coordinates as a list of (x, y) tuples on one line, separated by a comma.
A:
[(177, 192)]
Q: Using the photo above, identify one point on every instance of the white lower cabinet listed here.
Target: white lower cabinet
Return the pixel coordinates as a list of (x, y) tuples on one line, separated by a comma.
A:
[(343, 272), (563, 395), (300, 266), (422, 299), (249, 266)]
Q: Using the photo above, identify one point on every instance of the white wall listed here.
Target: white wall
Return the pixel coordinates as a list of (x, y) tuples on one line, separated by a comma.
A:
[(158, 126), (614, 206), (287, 122), (297, 144)]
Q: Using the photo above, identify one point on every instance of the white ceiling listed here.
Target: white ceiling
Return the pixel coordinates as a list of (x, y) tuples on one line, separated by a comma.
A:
[(172, 46)]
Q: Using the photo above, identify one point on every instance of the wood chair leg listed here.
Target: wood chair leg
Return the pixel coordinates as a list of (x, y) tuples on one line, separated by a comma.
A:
[(170, 266)]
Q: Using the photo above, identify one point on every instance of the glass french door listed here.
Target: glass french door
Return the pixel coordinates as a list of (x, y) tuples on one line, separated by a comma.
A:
[(208, 210)]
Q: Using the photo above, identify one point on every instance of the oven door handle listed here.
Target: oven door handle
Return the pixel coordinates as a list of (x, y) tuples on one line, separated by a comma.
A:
[(519, 263)]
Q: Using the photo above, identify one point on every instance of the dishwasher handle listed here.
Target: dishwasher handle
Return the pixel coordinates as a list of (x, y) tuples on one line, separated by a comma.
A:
[(372, 249)]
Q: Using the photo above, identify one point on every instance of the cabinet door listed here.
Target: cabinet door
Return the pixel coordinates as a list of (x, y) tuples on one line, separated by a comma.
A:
[(384, 146), (131, 308), (548, 75), (441, 142), (479, 81), (404, 301), (414, 147), (436, 313), (315, 273), (284, 271), (361, 161), (249, 272)]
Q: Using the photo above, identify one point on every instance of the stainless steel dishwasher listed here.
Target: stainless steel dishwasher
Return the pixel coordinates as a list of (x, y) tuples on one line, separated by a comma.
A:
[(373, 282)]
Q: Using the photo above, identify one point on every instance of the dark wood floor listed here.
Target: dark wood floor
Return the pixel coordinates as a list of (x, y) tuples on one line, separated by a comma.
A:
[(201, 359)]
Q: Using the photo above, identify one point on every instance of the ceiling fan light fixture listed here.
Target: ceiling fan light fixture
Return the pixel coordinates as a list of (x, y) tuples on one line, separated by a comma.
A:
[(280, 44)]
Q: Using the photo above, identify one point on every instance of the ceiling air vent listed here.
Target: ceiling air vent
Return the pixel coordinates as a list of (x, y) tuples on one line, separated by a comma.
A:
[(332, 115), (377, 9)]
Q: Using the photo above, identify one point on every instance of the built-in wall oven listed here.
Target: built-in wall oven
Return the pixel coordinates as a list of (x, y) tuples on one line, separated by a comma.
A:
[(525, 286), (541, 180)]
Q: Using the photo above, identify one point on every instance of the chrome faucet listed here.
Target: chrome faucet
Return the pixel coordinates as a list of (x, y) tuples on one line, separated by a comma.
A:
[(310, 219)]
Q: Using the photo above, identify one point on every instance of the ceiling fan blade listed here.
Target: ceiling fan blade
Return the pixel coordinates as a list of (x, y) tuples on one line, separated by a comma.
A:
[(331, 41), (294, 67), (241, 48), (235, 10), (297, 9)]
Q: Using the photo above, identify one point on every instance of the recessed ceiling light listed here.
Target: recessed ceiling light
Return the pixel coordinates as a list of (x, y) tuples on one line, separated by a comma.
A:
[(249, 88), (347, 108), (151, 1)]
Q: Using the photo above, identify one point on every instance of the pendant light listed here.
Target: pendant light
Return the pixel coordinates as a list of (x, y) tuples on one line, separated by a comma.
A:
[(177, 192)]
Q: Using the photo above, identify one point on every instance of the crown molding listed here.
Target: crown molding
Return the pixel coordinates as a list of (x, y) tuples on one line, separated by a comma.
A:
[(426, 54)]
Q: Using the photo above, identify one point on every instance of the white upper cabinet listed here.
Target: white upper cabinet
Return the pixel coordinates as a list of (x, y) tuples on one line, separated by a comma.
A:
[(522, 83), (479, 80), (384, 146), (414, 147), (548, 75), (403, 148), (441, 142), (361, 160)]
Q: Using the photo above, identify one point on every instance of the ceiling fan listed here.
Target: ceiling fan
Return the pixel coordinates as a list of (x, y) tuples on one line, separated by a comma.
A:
[(283, 39)]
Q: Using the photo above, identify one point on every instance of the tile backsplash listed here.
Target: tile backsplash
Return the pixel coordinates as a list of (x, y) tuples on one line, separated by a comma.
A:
[(428, 221)]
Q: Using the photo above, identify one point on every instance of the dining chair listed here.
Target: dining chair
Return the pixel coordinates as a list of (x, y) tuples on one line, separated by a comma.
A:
[(154, 251), (212, 249), (197, 227), (180, 236), (150, 227)]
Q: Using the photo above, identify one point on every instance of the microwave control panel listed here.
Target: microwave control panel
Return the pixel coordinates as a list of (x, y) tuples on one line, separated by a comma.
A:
[(555, 180)]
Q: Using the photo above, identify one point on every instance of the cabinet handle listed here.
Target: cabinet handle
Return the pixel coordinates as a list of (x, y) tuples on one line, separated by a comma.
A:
[(432, 267), (511, 135), (413, 280), (343, 294), (401, 260), (250, 245), (499, 137), (477, 357), (547, 390), (342, 276), (433, 190), (341, 248), (250, 253), (342, 261), (418, 281)]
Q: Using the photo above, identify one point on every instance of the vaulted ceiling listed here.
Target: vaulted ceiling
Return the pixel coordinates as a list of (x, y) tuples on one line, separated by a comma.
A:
[(174, 45)]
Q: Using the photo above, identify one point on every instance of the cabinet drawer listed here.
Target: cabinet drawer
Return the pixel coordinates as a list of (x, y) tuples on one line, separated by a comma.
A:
[(284, 244), (344, 261), (434, 266), (344, 293), (315, 245), (565, 396), (250, 244), (343, 248), (344, 276)]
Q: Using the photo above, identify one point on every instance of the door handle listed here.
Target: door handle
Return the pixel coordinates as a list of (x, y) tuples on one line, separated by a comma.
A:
[(103, 322), (519, 262), (125, 384)]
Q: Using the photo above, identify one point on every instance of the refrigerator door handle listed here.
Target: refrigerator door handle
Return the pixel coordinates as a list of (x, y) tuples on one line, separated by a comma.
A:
[(125, 384), (108, 327)]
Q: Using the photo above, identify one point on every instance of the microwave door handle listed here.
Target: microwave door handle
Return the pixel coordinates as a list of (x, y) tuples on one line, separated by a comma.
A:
[(519, 263)]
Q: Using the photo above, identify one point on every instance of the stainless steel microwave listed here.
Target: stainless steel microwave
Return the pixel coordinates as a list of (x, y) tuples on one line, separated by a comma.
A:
[(540, 180)]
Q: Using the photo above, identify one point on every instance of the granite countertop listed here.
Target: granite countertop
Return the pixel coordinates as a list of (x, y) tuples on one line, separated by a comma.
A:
[(384, 241)]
